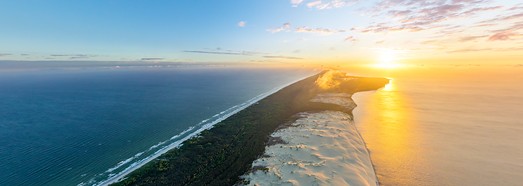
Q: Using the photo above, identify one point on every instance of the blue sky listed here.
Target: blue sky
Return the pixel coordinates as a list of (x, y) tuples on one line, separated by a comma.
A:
[(139, 29), (271, 30)]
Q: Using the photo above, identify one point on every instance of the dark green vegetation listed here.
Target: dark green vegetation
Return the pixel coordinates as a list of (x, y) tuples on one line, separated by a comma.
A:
[(220, 155)]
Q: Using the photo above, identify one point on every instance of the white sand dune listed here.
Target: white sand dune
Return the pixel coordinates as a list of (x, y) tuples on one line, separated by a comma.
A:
[(341, 99), (321, 148)]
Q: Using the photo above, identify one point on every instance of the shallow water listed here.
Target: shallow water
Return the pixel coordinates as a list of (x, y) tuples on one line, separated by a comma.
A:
[(456, 126), (68, 126)]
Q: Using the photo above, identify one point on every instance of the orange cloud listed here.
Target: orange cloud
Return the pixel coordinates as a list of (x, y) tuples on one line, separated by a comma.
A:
[(502, 36)]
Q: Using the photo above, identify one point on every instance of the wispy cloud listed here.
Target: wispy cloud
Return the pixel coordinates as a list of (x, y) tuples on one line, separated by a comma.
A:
[(517, 26), (505, 49), (480, 9), (4, 54), (284, 27), (222, 52), (242, 24), (502, 36), (323, 4), (304, 29), (471, 38), (295, 3), (435, 25), (73, 56), (469, 50), (282, 57), (501, 18), (313, 4), (420, 15), (152, 59), (350, 39), (516, 7)]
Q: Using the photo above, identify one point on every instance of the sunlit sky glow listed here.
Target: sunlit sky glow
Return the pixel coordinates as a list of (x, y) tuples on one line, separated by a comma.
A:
[(384, 32)]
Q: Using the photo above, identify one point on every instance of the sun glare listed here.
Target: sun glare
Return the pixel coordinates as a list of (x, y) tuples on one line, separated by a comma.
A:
[(387, 59)]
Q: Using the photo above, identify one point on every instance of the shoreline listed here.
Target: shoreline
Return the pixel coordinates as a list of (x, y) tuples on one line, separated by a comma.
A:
[(359, 98), (218, 156), (321, 148), (205, 126)]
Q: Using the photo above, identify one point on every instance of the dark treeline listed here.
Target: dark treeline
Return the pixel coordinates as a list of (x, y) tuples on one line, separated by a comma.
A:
[(220, 155)]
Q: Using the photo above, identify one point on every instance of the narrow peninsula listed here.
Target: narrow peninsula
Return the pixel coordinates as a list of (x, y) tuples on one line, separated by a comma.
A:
[(302, 134)]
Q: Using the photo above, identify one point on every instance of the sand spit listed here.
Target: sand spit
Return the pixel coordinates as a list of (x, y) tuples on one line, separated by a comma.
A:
[(341, 99), (322, 148)]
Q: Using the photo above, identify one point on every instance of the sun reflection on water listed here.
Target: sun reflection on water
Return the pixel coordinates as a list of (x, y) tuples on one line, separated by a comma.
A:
[(387, 126), (389, 86)]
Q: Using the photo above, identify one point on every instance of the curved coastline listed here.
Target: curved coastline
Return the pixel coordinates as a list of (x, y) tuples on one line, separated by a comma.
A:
[(219, 155), (321, 148), (356, 98), (203, 125)]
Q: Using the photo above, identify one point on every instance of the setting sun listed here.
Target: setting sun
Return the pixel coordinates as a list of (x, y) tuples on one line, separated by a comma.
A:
[(387, 59)]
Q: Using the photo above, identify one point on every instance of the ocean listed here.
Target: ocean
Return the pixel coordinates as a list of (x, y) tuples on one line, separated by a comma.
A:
[(84, 125), (445, 126)]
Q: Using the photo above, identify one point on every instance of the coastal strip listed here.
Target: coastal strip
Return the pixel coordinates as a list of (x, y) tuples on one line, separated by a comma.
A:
[(321, 148), (173, 142), (221, 154)]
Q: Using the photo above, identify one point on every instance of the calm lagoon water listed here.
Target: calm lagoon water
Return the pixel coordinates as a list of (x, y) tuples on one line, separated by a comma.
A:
[(72, 126), (453, 126)]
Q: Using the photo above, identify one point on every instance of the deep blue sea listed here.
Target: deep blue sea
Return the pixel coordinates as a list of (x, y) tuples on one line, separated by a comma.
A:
[(83, 125)]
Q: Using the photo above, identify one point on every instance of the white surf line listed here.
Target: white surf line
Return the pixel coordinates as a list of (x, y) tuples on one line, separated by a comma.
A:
[(119, 176), (124, 162)]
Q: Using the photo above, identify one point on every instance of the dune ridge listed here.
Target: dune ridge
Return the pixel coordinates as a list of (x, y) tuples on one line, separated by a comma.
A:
[(319, 148)]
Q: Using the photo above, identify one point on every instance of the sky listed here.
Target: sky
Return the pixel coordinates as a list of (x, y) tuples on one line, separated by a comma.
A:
[(409, 32)]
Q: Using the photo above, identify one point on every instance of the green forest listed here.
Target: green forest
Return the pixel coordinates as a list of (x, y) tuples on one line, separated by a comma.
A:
[(220, 155)]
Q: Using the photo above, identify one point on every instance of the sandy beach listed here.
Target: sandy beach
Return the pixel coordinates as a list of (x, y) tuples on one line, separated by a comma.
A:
[(321, 148)]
